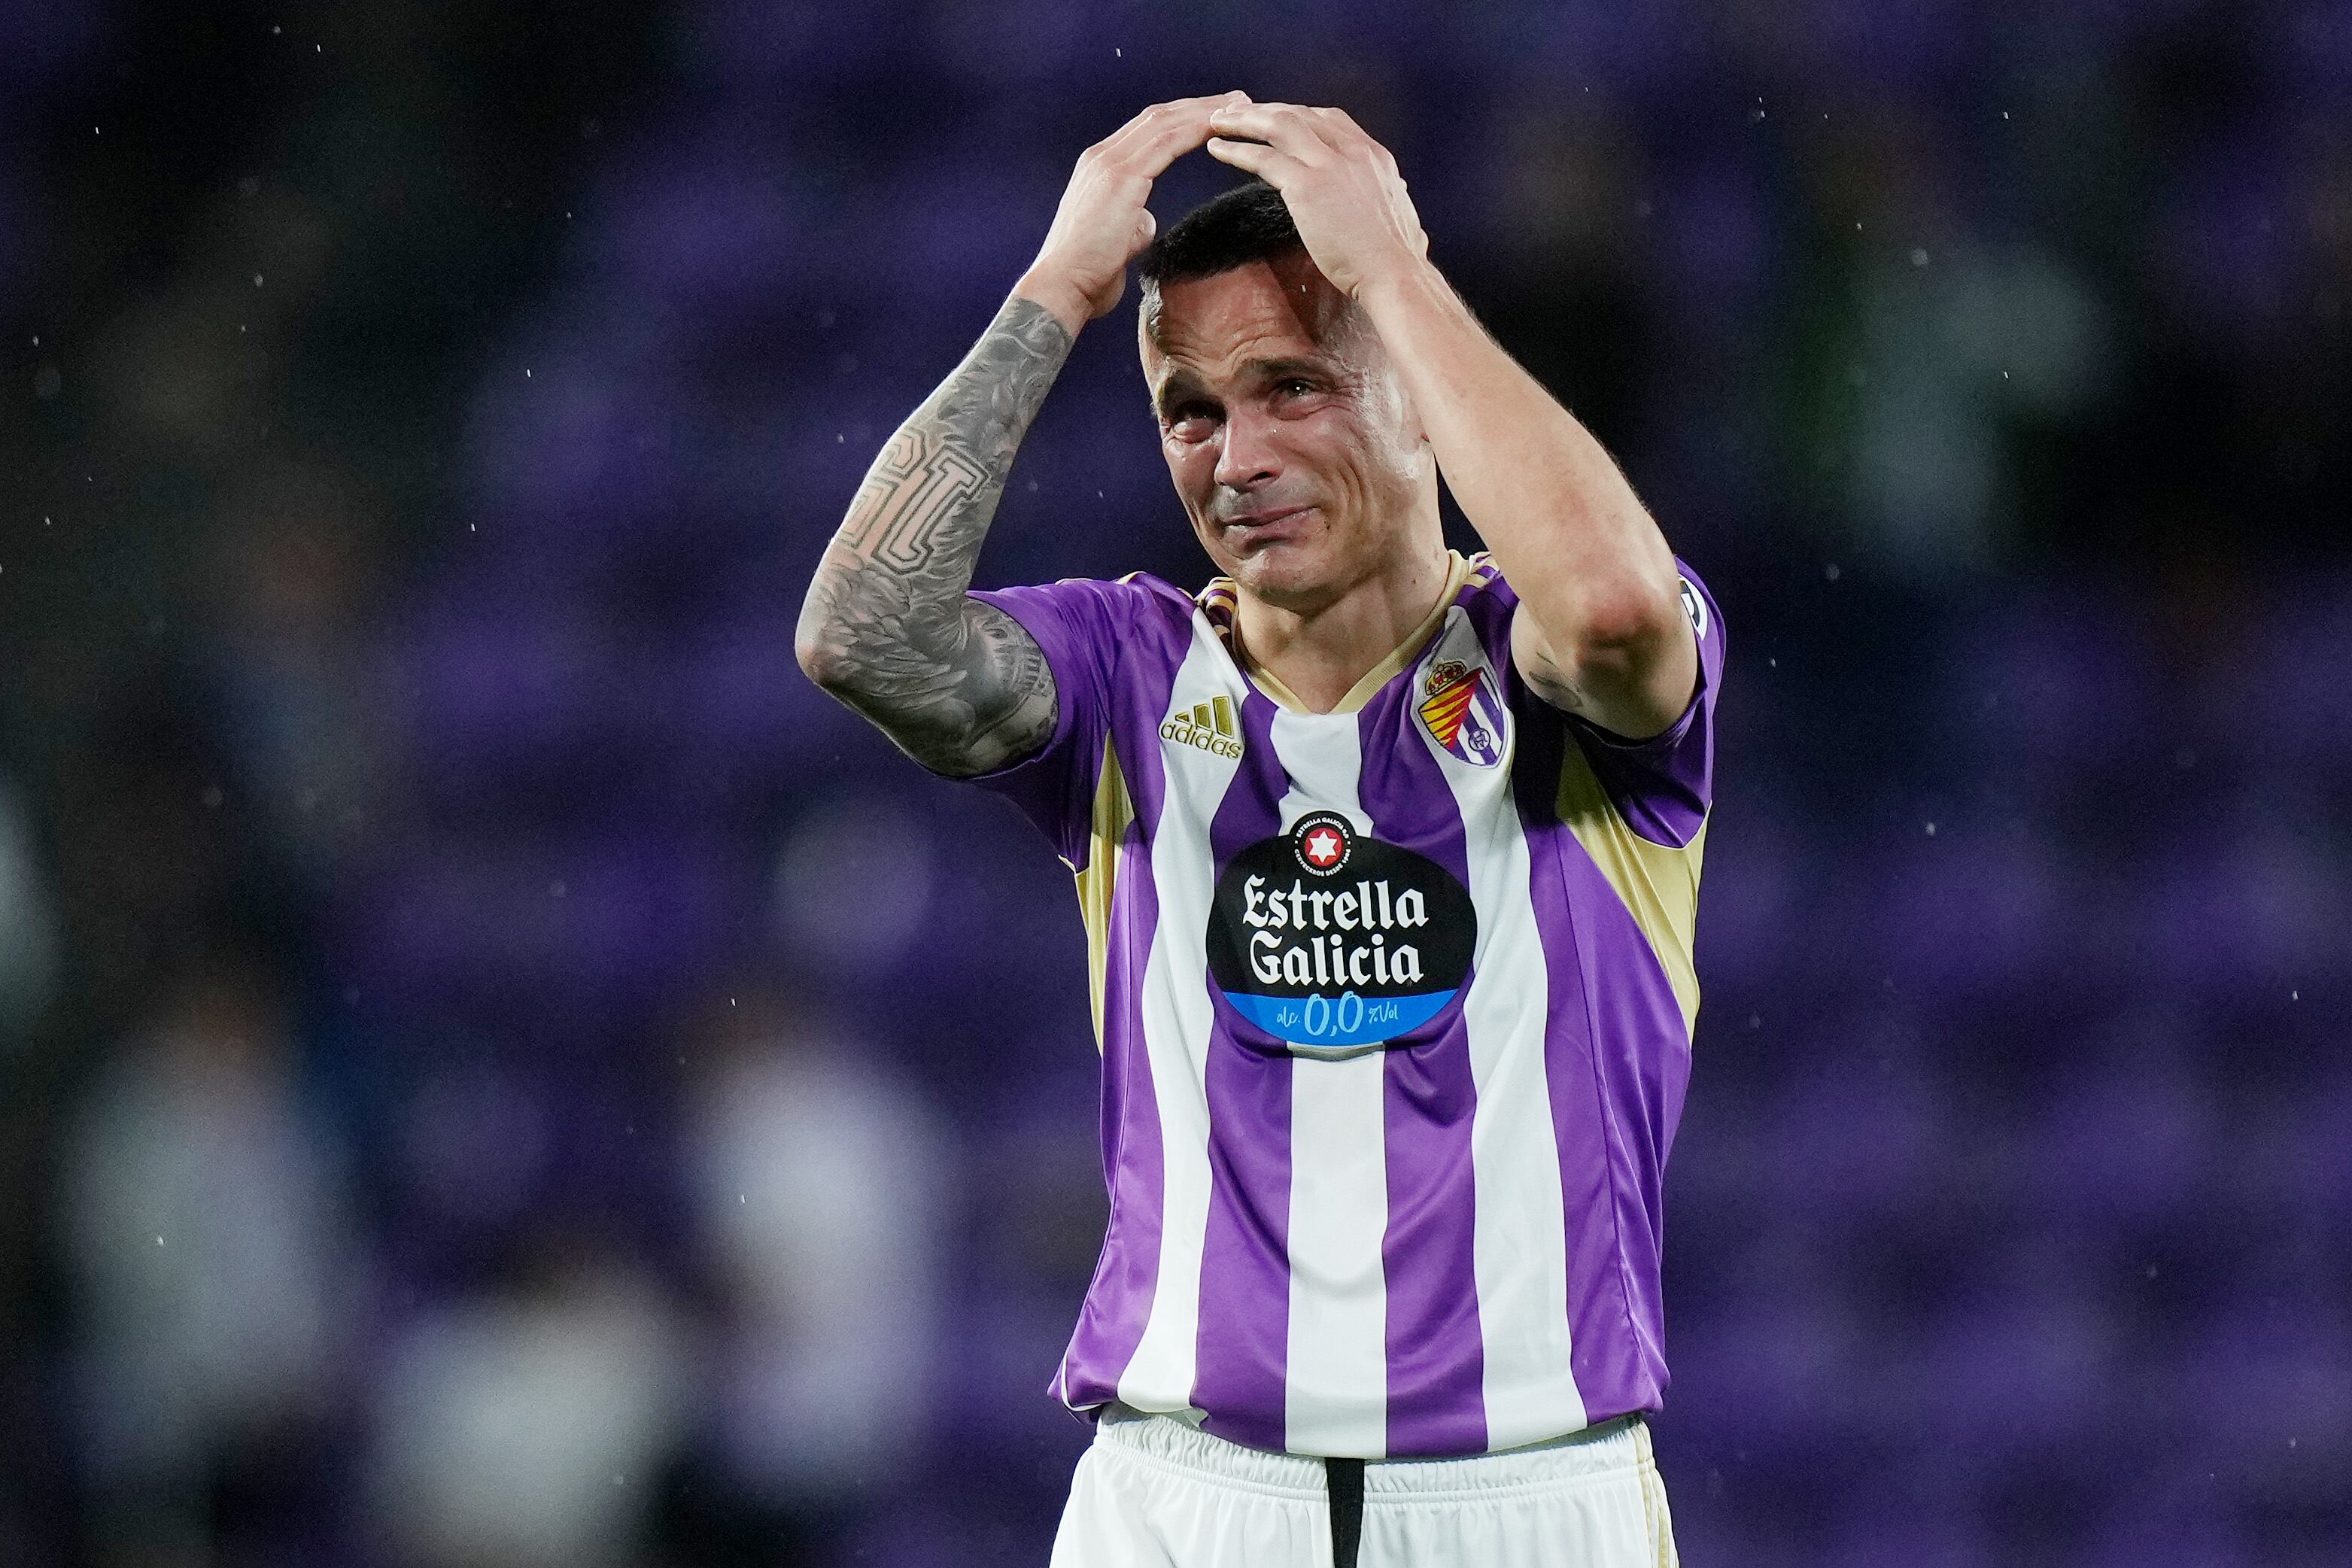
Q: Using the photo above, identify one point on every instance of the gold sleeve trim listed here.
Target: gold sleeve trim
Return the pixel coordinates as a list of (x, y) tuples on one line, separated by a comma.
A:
[(1114, 810), (1658, 884)]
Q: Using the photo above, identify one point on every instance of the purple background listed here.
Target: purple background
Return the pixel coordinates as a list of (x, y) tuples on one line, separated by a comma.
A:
[(467, 1005)]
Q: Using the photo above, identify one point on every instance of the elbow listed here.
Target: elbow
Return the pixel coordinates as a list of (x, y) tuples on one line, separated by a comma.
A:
[(818, 646), (1630, 614)]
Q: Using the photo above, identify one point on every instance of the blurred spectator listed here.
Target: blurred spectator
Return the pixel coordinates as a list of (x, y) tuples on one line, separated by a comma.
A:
[(520, 1428), (205, 1222), (816, 1182), (290, 643)]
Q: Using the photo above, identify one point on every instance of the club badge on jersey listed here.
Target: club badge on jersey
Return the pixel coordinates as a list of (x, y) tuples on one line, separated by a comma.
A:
[(1464, 713)]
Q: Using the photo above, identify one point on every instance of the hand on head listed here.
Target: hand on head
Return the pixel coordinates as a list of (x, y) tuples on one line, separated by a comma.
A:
[(1102, 223), (1342, 188)]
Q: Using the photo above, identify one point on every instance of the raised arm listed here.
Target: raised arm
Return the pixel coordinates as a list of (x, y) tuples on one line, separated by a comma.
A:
[(887, 626), (1601, 630)]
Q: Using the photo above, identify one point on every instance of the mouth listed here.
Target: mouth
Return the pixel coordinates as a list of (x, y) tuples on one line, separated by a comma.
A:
[(1257, 527)]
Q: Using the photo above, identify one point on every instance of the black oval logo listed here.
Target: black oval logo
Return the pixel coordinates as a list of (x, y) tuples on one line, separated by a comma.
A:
[(1326, 938)]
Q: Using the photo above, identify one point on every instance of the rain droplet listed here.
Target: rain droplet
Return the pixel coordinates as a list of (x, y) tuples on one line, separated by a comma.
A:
[(1831, 571)]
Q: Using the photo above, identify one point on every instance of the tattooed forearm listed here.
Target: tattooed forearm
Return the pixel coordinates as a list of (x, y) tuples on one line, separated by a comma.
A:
[(887, 628)]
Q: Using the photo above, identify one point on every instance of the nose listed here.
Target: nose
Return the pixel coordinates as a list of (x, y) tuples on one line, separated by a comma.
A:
[(1248, 457)]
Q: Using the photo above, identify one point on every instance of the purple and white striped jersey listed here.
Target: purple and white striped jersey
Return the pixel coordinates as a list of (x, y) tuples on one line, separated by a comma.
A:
[(1394, 1004)]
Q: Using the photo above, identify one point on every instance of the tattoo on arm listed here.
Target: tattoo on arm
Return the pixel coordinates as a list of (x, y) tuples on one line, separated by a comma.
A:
[(960, 686), (1542, 672)]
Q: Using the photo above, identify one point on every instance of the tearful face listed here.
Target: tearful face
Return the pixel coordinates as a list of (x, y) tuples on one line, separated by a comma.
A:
[(1288, 438)]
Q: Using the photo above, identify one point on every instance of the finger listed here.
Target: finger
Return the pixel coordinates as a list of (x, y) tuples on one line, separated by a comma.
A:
[(1283, 125), (1163, 135), (1268, 164), (1158, 119)]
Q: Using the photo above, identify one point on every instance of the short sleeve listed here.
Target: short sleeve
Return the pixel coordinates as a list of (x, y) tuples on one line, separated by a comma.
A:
[(1078, 624), (1663, 785)]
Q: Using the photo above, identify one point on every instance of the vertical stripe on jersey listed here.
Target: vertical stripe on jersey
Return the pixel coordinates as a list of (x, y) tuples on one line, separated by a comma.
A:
[(1176, 1021), (1118, 1300), (1244, 1279), (1606, 1224), (1523, 1247), (1336, 1396), (1430, 1102), (1111, 1319)]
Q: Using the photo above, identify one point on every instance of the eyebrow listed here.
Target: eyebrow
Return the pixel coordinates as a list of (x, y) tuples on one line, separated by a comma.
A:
[(1182, 386)]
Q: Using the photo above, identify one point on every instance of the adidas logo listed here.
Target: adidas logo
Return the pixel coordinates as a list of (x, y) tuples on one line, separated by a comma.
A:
[(1209, 726)]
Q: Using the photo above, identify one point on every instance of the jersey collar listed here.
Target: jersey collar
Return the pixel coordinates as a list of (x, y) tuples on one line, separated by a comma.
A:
[(1218, 601)]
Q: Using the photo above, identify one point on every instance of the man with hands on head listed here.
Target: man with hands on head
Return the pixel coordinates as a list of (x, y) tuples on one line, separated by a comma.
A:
[(1388, 859)]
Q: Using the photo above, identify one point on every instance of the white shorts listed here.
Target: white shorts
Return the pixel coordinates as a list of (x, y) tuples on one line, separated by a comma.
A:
[(1154, 1492)]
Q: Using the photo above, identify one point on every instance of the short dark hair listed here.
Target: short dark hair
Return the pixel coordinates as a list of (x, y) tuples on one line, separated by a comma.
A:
[(1246, 223)]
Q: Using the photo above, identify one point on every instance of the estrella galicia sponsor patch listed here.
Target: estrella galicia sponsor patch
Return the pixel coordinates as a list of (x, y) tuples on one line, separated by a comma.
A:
[(1459, 704), (1328, 938)]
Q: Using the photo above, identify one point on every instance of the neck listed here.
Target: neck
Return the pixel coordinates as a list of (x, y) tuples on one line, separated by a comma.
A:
[(1321, 653)]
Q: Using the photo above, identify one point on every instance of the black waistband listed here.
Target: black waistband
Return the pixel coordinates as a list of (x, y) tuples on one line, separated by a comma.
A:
[(1346, 1479)]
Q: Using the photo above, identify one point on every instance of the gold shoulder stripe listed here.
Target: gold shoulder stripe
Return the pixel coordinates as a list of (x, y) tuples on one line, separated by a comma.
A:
[(1658, 884), (1114, 810)]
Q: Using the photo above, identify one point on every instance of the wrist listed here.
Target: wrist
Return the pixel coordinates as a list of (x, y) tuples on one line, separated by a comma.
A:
[(1062, 301), (1411, 276)]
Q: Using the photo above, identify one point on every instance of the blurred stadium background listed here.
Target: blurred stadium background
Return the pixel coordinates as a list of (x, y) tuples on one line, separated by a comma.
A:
[(500, 1072)]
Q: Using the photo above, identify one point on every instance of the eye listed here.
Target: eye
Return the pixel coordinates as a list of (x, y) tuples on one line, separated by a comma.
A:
[(1190, 420), (1295, 387)]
